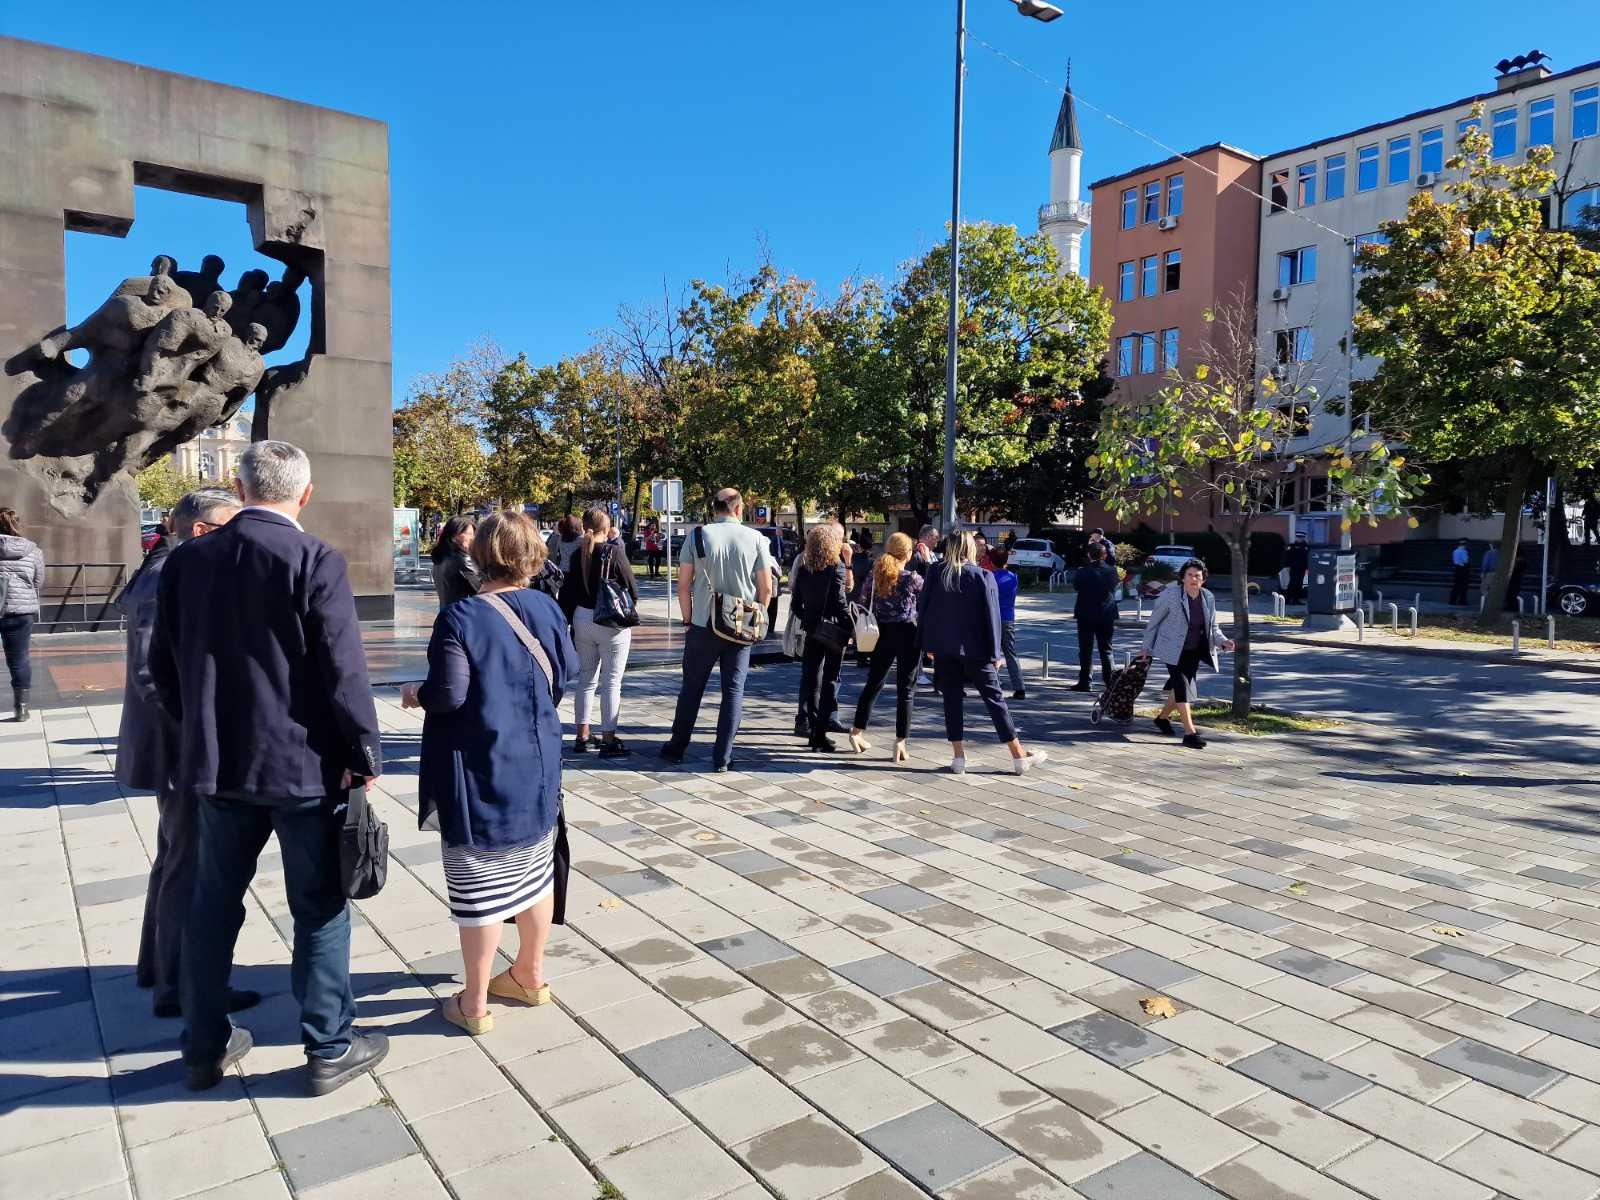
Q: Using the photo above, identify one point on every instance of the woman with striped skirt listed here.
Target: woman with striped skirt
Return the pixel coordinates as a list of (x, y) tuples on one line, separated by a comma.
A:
[(491, 763)]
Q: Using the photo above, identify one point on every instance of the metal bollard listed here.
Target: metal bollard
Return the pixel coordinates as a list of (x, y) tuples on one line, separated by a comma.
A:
[(1394, 619), (1413, 620), (1140, 599), (1550, 632), (1044, 668), (1361, 624), (1277, 604), (1416, 601), (1519, 605), (1372, 612), (1127, 660), (1379, 594), (1483, 604), (1516, 637)]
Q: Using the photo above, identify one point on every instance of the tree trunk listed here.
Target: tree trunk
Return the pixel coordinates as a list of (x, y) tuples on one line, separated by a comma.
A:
[(799, 517), (1521, 470), (1239, 553), (638, 499)]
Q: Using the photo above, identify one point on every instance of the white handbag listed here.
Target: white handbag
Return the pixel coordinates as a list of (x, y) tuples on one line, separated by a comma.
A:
[(866, 623), (794, 637)]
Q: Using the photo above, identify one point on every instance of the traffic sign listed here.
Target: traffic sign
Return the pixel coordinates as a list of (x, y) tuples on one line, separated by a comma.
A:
[(666, 495)]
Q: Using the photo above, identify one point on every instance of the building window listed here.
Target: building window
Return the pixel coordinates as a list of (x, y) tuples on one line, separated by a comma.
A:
[(1125, 280), (1152, 201), (1174, 271), (1297, 266), (1464, 125), (1333, 178), (1148, 275), (208, 465), (1175, 196), (1586, 113), (1279, 192), (1130, 208), (1582, 209), (1504, 133), (1293, 345), (1399, 160), (1431, 159), (1297, 418), (1542, 122), (1169, 349), (1316, 492), (1125, 355), (1305, 185), (1366, 168), (1147, 354)]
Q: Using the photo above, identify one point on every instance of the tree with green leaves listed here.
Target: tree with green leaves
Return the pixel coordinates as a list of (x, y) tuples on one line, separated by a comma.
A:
[(1487, 324), (1219, 432), (439, 465), (161, 486)]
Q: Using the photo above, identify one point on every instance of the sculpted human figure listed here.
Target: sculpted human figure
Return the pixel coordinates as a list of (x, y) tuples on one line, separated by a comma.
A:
[(235, 371), (279, 309), (247, 296), (172, 417), (203, 282), (114, 330), (139, 285), (185, 339)]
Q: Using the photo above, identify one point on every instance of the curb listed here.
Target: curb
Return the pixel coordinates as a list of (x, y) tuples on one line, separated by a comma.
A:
[(1498, 657)]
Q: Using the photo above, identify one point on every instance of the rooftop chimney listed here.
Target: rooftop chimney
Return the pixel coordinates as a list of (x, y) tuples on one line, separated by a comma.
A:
[(1524, 68)]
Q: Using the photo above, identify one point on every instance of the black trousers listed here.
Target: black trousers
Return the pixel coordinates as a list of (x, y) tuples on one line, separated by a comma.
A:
[(1090, 634), (653, 559), (167, 899), (897, 648), (1458, 586), (951, 674), (819, 685), (1297, 586), (15, 632)]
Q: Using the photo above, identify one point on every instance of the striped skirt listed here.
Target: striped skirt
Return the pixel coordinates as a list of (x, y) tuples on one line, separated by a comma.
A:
[(487, 886)]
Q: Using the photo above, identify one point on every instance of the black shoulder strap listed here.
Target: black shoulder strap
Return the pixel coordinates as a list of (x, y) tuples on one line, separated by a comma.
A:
[(700, 541)]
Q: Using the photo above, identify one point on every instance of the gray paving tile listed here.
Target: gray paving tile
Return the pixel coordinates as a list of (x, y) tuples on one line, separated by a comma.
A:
[(777, 820), (1498, 1068), (686, 1060), (1469, 810), (748, 949), (1173, 809), (1245, 917), (634, 883), (612, 834), (1322, 822), (342, 1146), (1553, 1018), (1308, 964), (1298, 1074), (1062, 820), (912, 846), (936, 1147), (1270, 848), (1144, 967), (418, 856), (990, 832), (1061, 877), (1108, 1037), (117, 807), (665, 795), (1424, 823), (109, 891), (1265, 880), (1441, 879), (1450, 914), (1552, 875), (1144, 1177), (1464, 962), (748, 862), (885, 974), (900, 898), (1148, 864)]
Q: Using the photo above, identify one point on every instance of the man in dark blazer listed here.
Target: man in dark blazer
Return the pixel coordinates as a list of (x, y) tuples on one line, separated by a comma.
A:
[(257, 656), (147, 755), (1095, 611)]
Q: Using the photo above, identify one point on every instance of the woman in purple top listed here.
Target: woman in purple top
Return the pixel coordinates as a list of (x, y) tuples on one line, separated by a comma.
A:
[(892, 592)]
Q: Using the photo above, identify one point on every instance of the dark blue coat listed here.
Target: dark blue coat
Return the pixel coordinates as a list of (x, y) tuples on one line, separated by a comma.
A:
[(963, 621), (491, 740), (147, 741), (1097, 585), (257, 656)]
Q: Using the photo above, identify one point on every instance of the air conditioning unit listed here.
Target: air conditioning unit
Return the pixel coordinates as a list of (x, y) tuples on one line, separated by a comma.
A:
[(1280, 293), (1167, 223), (1427, 179)]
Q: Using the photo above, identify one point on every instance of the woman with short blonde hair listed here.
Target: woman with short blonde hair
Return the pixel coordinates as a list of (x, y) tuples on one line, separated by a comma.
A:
[(892, 592)]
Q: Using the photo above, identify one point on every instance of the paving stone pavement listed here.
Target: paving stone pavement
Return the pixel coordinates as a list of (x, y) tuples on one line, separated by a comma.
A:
[(821, 976)]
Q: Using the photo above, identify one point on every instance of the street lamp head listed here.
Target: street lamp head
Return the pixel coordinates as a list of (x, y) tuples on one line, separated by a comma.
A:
[(1039, 10)]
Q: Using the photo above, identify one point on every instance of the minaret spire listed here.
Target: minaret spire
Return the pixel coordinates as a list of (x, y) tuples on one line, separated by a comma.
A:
[(1066, 218), (1066, 136)]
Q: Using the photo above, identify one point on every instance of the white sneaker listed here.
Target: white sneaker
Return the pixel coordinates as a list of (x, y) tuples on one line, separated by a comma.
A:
[(1021, 766), (958, 766)]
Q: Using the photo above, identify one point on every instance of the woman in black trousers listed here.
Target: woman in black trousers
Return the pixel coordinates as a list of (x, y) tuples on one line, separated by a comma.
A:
[(960, 624), (891, 592), (818, 594)]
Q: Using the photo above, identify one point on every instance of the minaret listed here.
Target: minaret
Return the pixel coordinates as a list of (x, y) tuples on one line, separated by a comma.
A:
[(1066, 217)]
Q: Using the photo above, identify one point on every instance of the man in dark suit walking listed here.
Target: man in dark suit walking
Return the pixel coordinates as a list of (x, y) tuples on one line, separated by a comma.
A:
[(257, 657), (1095, 610)]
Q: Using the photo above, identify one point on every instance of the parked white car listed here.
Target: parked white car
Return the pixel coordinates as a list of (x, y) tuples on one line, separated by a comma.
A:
[(1035, 554), (1171, 557)]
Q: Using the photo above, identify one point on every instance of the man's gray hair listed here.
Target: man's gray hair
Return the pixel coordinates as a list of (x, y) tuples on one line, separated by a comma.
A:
[(202, 505), (274, 472)]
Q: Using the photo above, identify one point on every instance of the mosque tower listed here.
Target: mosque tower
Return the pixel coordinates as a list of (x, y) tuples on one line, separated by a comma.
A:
[(1066, 217)]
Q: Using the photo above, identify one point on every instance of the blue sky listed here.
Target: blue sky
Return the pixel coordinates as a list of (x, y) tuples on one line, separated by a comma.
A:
[(551, 161)]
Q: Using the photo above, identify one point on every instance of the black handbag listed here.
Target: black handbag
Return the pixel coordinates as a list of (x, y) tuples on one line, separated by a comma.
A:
[(613, 603), (829, 634), (363, 848)]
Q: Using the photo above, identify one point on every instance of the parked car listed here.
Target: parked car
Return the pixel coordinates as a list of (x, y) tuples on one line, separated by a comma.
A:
[(1035, 554), (1574, 599), (1167, 559), (149, 535)]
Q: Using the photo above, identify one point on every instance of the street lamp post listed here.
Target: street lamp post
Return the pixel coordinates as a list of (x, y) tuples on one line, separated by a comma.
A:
[(1039, 11)]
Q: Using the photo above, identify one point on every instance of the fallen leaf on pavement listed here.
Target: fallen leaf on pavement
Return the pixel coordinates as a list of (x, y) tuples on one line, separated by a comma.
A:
[(1296, 889), (1077, 787), (1158, 1006), (1447, 931), (611, 902), (705, 835), (922, 812)]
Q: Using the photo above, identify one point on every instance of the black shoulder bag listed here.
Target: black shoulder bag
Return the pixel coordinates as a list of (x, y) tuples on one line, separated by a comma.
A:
[(363, 848)]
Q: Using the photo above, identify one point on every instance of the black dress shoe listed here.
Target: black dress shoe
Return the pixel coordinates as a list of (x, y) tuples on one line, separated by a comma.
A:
[(671, 755), (1194, 741), (824, 743), (612, 748), (366, 1051), (833, 726), (203, 1076), (1019, 694), (1082, 687), (239, 999)]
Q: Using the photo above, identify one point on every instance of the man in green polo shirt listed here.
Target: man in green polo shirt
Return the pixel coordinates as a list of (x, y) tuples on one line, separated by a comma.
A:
[(734, 561)]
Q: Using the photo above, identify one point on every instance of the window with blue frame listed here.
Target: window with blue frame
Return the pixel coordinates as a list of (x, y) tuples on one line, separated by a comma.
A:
[(1147, 354), (1130, 208), (1430, 158), (1503, 132), (1399, 160), (1333, 177), (1149, 275), (1175, 196), (1125, 355), (1542, 122), (1586, 113), (1582, 210), (1297, 266), (1464, 125), (1125, 280), (1174, 271), (1305, 185), (1169, 349), (1152, 201), (1366, 168)]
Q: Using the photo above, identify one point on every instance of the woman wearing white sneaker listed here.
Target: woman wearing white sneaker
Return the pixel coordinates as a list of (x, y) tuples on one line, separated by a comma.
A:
[(959, 617), (1183, 633)]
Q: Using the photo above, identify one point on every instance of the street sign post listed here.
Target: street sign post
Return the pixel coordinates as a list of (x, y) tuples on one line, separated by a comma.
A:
[(666, 497)]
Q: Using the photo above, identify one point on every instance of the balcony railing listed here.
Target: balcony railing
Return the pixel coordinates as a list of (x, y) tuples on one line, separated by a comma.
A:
[(1065, 210)]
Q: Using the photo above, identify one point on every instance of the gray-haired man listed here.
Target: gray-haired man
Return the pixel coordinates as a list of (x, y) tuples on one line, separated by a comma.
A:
[(147, 752)]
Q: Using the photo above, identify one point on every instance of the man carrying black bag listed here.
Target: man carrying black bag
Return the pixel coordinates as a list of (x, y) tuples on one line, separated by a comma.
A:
[(257, 656)]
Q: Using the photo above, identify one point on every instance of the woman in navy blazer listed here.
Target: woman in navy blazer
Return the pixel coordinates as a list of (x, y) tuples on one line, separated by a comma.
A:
[(491, 763), (959, 616)]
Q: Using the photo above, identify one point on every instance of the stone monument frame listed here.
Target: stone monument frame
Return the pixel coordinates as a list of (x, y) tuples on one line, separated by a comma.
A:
[(315, 185)]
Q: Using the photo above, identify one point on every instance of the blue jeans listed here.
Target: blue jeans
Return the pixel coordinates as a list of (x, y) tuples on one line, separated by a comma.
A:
[(232, 834), (703, 650), (15, 630)]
